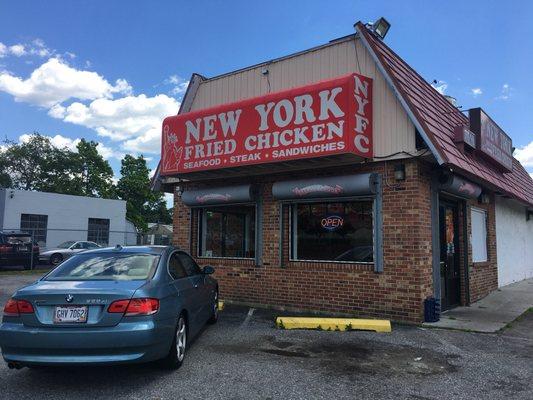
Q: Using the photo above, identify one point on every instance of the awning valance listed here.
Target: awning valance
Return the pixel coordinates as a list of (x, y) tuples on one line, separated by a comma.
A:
[(458, 186), (218, 195), (326, 187)]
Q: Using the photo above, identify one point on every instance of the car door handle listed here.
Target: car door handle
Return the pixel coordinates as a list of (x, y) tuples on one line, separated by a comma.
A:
[(196, 286)]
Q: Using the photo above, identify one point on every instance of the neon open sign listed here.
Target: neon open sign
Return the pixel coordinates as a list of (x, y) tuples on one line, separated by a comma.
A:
[(332, 222)]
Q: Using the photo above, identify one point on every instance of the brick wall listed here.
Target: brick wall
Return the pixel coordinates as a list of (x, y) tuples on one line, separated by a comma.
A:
[(346, 288), (483, 275)]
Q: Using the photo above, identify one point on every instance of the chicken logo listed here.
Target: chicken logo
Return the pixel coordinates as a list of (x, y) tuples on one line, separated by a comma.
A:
[(172, 150)]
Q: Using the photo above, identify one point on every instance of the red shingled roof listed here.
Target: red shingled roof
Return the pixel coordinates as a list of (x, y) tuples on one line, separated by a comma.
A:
[(438, 119)]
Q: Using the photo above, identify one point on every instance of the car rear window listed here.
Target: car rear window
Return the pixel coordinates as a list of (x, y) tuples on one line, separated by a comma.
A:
[(106, 266), (15, 239)]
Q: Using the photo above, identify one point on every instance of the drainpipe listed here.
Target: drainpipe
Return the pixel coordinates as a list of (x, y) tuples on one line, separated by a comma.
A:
[(465, 253)]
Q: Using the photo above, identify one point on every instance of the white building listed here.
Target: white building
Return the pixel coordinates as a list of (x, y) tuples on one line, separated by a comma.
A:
[(55, 218), (514, 241)]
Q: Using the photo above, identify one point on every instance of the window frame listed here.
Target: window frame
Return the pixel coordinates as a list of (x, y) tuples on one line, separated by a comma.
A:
[(199, 218), (291, 214), (89, 239), (32, 230), (486, 232)]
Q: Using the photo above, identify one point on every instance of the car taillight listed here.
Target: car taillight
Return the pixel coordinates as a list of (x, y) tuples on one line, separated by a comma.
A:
[(4, 248), (143, 306), (14, 308), (119, 306)]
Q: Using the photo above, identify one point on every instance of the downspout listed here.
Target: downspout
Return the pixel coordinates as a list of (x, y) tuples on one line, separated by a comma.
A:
[(465, 253), (435, 238)]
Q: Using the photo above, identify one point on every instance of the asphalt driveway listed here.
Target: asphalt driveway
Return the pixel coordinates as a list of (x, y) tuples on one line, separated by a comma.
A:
[(245, 357)]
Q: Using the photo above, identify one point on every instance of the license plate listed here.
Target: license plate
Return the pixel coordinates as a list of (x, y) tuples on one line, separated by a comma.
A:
[(72, 314), (22, 248)]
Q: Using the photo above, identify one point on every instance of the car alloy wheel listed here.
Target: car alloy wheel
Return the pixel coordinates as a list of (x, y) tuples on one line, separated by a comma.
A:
[(181, 339), (56, 259)]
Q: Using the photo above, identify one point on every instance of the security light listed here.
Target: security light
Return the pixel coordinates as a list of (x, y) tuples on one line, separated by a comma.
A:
[(399, 172), (381, 27)]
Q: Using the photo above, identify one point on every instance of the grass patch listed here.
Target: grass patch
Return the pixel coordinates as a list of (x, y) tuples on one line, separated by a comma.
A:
[(25, 272), (518, 319)]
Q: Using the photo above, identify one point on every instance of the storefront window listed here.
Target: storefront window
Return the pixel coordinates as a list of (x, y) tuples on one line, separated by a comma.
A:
[(227, 231), (479, 235), (339, 231)]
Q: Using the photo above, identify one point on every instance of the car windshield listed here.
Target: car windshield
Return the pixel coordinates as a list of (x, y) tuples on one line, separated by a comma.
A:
[(105, 266), (65, 245)]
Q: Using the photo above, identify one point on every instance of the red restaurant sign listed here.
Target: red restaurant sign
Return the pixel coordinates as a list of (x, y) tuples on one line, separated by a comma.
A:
[(322, 119), (493, 143)]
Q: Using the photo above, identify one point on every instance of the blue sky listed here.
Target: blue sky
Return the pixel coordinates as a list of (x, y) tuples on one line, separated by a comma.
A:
[(111, 70)]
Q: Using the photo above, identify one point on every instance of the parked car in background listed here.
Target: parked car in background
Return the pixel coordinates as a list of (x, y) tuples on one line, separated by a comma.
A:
[(108, 306), (17, 248), (65, 250)]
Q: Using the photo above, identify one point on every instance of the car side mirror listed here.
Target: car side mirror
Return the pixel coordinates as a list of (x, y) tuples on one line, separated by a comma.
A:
[(208, 270)]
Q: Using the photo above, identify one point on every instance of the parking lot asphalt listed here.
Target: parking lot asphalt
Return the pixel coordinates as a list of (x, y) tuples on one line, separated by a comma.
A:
[(243, 356)]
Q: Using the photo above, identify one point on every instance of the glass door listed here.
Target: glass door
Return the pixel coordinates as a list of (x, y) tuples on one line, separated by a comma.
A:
[(449, 255)]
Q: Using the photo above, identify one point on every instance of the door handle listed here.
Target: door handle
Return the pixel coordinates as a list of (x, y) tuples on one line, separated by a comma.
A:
[(196, 286)]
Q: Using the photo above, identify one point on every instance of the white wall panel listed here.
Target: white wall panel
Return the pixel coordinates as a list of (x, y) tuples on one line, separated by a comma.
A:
[(68, 216), (392, 129), (514, 242)]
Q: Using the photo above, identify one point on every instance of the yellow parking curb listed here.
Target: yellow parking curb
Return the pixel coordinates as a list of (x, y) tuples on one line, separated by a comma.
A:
[(334, 324), (220, 305)]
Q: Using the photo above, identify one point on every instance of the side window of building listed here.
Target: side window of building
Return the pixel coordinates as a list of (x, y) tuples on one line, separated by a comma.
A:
[(227, 231), (98, 231), (175, 267), (479, 235), (189, 264), (333, 231), (36, 225)]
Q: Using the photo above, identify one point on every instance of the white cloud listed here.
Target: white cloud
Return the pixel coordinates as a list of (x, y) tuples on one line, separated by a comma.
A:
[(133, 119), (87, 99), (506, 92), (108, 152), (55, 82), (17, 50), (440, 86), (476, 92), (36, 48), (57, 141), (60, 141), (525, 155), (180, 85), (169, 198)]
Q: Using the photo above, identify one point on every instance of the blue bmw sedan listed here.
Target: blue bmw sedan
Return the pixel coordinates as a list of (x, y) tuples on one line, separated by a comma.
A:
[(110, 306)]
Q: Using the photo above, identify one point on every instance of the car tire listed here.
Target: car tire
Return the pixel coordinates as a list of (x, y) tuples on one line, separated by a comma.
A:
[(56, 259), (176, 354), (214, 309)]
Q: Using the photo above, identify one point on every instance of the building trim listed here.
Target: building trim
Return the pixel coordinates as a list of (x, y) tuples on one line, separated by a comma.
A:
[(401, 99)]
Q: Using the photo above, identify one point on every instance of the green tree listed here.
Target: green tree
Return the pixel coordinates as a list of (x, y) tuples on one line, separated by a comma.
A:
[(143, 205), (97, 176), (37, 165)]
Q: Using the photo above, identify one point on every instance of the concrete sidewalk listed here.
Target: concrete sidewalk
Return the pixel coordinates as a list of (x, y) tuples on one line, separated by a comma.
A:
[(491, 313)]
